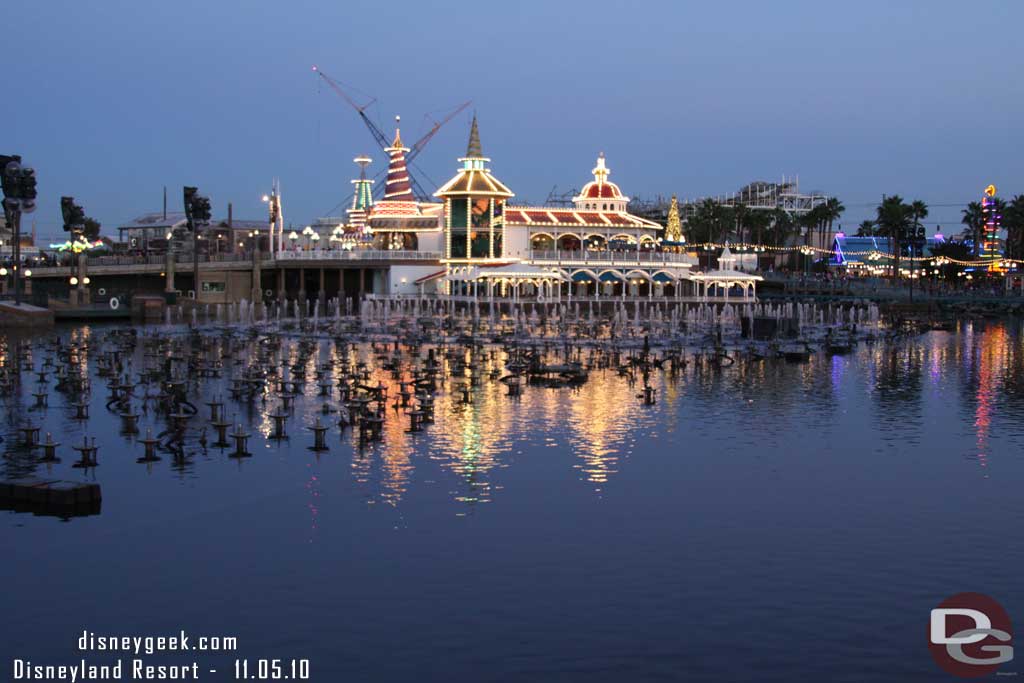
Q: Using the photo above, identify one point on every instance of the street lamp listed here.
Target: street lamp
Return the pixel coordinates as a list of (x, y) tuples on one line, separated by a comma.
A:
[(293, 236), (273, 202)]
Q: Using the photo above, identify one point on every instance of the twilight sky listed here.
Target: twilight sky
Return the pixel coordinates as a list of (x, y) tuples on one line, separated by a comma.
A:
[(116, 98)]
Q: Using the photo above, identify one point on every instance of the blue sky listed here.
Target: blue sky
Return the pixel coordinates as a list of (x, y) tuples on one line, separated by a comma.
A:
[(116, 99)]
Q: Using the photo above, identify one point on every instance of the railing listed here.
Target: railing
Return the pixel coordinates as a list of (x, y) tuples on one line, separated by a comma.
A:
[(186, 257), (358, 255), (631, 257)]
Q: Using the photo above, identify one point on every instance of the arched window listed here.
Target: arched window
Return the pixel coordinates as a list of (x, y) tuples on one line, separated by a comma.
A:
[(604, 207)]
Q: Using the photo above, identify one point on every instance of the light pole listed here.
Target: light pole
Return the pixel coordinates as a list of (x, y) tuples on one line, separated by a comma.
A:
[(257, 285), (197, 212), (273, 202)]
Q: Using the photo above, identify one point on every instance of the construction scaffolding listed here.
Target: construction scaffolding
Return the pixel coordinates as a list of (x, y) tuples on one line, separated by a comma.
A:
[(757, 195)]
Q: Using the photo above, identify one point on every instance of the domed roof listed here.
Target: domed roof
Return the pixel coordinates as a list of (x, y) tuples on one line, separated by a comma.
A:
[(600, 187), (595, 190)]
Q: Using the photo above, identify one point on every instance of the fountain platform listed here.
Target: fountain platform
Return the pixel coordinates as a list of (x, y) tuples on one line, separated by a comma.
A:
[(43, 494)]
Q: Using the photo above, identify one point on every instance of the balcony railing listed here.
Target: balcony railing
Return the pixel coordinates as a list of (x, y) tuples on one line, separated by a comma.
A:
[(358, 255), (626, 258)]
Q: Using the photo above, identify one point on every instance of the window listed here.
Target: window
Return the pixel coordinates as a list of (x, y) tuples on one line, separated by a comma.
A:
[(460, 223)]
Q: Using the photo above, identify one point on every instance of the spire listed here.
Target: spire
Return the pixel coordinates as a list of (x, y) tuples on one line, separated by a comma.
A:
[(600, 171), (397, 188), (674, 228), (474, 150), (362, 198)]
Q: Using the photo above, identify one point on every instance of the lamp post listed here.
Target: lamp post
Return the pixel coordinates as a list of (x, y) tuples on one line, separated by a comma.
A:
[(257, 285), (307, 232), (292, 237), (273, 202), (197, 212)]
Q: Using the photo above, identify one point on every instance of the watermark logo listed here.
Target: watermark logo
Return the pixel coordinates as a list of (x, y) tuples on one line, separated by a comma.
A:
[(970, 635)]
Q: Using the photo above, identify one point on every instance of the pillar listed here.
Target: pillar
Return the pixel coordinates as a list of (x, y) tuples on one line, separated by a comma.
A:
[(280, 284), (169, 272), (83, 272), (322, 296), (302, 287), (257, 279)]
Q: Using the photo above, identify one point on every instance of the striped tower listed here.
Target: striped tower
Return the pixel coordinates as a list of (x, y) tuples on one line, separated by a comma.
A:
[(398, 197)]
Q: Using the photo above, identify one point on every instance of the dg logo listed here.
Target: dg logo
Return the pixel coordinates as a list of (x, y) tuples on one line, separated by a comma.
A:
[(970, 635)]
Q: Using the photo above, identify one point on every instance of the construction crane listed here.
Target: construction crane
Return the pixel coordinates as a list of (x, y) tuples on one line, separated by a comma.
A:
[(382, 140)]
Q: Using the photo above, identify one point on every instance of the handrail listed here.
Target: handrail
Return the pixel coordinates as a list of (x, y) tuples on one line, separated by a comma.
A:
[(358, 255), (627, 257)]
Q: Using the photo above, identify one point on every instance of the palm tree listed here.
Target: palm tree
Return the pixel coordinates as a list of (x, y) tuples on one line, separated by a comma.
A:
[(741, 216), (1013, 219), (893, 219), (757, 221), (833, 209), (974, 219), (866, 229)]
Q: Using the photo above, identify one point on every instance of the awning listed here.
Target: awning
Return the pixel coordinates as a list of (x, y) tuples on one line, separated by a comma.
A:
[(582, 276), (429, 278), (612, 276), (663, 277), (518, 271)]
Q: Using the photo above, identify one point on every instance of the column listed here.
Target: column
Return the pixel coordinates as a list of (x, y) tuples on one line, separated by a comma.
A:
[(257, 279), (169, 272)]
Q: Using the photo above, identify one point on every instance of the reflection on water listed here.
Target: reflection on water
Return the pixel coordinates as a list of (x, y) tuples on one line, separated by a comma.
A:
[(570, 534), (979, 368)]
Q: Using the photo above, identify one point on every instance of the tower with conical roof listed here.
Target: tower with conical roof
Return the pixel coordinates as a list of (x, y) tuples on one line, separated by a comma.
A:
[(362, 196), (674, 227), (474, 205), (398, 198)]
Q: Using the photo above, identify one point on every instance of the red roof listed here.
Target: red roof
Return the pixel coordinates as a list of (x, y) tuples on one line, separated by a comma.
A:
[(591, 218), (573, 217), (539, 216), (602, 191)]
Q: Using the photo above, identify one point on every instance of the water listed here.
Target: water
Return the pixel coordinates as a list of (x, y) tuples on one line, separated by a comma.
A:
[(764, 521)]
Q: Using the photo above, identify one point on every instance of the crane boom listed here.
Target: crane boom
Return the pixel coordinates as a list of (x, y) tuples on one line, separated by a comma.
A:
[(376, 132), (422, 142)]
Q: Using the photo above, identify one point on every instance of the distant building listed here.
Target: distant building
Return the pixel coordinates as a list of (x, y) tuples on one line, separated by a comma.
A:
[(870, 253), (150, 231), (766, 196)]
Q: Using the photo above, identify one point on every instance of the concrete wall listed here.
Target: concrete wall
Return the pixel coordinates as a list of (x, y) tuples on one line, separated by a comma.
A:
[(517, 241), (430, 241), (410, 274)]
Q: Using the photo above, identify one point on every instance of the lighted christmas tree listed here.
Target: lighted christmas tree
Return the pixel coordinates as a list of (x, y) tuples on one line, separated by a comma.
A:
[(674, 229)]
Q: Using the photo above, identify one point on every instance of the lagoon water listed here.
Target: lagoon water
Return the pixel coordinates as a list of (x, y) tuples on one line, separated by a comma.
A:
[(765, 521)]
